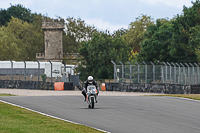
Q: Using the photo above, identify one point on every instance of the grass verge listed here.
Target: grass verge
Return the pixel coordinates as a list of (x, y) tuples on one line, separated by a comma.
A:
[(17, 120), (190, 96), (6, 94)]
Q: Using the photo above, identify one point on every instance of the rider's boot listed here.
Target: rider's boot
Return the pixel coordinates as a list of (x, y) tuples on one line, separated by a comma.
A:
[(84, 94), (96, 99)]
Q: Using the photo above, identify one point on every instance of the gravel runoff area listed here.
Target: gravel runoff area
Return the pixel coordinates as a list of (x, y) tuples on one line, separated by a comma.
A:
[(28, 92)]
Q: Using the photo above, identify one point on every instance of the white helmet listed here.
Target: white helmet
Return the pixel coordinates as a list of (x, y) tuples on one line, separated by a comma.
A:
[(90, 79)]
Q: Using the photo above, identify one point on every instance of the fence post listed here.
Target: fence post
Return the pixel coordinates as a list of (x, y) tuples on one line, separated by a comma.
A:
[(174, 72), (122, 70), (138, 72), (188, 72), (170, 72), (11, 69), (183, 72), (192, 71), (51, 71), (130, 71), (114, 71), (24, 70), (145, 72), (165, 70), (153, 71), (38, 70), (197, 73), (162, 72), (179, 72)]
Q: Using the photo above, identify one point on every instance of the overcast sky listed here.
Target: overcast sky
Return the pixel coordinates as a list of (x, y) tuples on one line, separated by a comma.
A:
[(103, 14)]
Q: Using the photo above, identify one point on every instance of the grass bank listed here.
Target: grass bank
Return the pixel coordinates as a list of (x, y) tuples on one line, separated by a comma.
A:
[(6, 94), (17, 120)]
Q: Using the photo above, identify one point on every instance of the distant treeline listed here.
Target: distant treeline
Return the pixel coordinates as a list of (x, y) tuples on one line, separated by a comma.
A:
[(175, 40)]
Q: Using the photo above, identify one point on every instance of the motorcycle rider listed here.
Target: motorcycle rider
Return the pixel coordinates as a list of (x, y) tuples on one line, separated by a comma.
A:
[(89, 81)]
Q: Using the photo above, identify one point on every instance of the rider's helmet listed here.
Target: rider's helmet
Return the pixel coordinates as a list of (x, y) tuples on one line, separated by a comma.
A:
[(90, 79)]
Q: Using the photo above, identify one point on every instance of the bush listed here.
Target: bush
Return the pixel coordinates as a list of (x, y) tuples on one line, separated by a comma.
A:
[(44, 77)]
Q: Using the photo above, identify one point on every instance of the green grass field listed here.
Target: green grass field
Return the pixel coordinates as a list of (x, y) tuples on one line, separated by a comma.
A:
[(17, 120)]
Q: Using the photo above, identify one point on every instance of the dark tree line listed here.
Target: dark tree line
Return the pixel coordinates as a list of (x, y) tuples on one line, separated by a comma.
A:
[(175, 40)]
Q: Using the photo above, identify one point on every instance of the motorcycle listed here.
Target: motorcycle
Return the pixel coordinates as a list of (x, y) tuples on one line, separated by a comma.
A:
[(91, 95)]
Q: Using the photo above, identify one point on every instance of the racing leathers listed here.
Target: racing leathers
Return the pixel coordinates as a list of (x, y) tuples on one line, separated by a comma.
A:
[(85, 88)]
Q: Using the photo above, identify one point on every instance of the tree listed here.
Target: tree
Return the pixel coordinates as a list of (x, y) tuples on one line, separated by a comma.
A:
[(75, 32), (17, 11), (156, 43), (98, 53), (119, 33), (4, 17), (26, 39), (185, 31), (176, 40), (195, 40), (8, 45), (134, 35)]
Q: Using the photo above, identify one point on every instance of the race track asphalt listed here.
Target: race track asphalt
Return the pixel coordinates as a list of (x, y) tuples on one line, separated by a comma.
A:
[(120, 114)]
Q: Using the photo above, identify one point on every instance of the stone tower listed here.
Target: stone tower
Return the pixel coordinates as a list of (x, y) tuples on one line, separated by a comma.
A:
[(53, 34)]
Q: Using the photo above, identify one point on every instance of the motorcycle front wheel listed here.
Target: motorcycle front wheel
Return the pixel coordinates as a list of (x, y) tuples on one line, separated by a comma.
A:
[(92, 101)]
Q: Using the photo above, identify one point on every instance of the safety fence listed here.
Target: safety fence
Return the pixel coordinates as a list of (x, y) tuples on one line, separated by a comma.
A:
[(168, 73), (36, 75)]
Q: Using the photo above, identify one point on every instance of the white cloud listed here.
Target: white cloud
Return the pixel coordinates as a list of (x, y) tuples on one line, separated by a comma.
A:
[(103, 25), (173, 3)]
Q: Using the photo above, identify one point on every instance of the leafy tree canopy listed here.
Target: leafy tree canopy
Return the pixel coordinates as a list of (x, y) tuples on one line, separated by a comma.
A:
[(155, 46), (185, 28), (176, 40), (21, 40), (16, 11), (134, 35), (98, 53), (76, 31)]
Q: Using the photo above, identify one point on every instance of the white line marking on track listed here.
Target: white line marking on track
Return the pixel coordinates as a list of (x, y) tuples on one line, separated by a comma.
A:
[(52, 116)]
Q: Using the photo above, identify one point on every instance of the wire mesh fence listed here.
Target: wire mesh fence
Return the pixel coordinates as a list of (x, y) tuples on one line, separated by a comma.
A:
[(171, 73), (35, 75)]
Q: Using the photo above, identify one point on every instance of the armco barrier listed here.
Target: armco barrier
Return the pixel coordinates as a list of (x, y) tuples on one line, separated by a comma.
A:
[(195, 89), (18, 84), (154, 88), (123, 87), (68, 86)]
